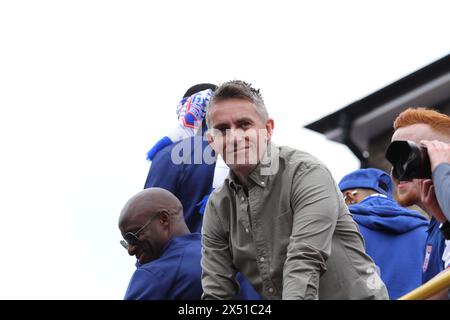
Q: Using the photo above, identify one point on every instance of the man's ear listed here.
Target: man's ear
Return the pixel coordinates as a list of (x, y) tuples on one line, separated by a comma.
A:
[(210, 136), (349, 196), (164, 218), (269, 127)]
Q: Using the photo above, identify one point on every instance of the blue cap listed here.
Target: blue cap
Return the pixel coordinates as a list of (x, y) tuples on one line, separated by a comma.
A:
[(371, 178)]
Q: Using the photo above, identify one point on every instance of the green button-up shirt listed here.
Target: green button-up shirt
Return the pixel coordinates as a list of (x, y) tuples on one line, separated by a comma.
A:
[(291, 235)]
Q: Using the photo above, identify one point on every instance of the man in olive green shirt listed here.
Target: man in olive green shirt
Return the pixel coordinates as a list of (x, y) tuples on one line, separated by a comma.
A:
[(279, 218)]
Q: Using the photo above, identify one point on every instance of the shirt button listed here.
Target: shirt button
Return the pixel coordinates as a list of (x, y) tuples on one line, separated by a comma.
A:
[(246, 230), (242, 199), (262, 182), (271, 290), (261, 259)]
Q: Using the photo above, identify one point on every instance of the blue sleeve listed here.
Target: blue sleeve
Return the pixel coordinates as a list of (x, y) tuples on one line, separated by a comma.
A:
[(145, 286), (441, 181), (164, 173)]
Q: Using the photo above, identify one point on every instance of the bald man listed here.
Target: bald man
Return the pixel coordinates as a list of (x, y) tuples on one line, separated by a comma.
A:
[(168, 255)]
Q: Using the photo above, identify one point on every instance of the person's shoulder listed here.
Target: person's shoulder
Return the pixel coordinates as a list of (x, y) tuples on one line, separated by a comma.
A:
[(179, 244), (192, 243), (185, 152), (160, 269), (187, 240), (148, 282), (183, 250), (164, 152), (150, 270), (220, 203), (221, 192), (299, 158), (186, 143)]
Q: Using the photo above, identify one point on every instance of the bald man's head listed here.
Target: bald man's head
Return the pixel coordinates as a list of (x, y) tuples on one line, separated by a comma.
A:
[(149, 220), (148, 202)]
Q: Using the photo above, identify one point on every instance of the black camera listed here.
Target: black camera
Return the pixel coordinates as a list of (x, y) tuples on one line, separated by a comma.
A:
[(409, 161)]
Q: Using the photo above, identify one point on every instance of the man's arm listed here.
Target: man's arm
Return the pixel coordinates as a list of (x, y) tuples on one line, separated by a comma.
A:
[(218, 271), (315, 208), (439, 153), (441, 179)]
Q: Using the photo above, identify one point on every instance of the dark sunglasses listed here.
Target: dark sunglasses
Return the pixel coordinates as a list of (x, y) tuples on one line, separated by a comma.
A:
[(132, 238)]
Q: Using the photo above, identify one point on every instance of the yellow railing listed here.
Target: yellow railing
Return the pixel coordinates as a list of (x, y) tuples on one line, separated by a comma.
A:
[(433, 286)]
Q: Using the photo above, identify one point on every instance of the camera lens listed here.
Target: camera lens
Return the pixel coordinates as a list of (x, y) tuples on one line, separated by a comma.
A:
[(409, 161)]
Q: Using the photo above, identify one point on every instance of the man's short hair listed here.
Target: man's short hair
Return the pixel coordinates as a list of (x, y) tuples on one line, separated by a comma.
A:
[(439, 122), (237, 89)]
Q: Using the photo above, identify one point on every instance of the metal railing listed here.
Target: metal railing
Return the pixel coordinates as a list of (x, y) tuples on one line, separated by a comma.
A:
[(429, 289)]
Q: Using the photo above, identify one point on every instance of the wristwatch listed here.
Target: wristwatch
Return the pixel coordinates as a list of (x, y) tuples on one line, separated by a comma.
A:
[(445, 229)]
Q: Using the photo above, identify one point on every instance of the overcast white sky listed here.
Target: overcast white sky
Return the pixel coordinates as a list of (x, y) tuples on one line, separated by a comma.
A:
[(87, 87)]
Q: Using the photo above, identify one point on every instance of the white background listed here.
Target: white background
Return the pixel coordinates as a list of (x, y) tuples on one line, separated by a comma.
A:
[(87, 87)]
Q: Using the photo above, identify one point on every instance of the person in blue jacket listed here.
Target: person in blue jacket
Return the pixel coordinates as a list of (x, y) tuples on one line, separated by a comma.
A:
[(177, 160), (168, 255), (395, 237), (184, 163)]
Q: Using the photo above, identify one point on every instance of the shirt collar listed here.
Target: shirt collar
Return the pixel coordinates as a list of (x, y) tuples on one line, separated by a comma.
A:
[(433, 223), (266, 167)]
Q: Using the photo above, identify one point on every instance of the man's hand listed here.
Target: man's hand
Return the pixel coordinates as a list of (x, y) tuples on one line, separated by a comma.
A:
[(439, 152), (429, 201)]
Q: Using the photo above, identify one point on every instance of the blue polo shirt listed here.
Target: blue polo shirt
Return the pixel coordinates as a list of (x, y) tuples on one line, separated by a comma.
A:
[(434, 250), (175, 275)]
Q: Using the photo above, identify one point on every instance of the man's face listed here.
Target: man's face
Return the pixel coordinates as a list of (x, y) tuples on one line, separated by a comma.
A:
[(408, 192), (238, 133), (150, 240)]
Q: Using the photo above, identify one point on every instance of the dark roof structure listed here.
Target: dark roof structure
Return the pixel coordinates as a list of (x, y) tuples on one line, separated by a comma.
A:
[(359, 122)]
